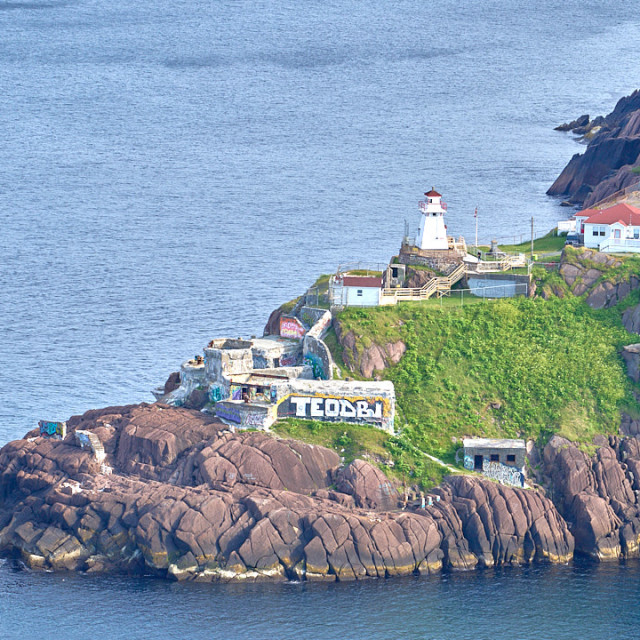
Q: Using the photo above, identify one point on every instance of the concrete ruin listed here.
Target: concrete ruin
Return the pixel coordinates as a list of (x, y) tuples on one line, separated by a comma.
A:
[(500, 459), (253, 383)]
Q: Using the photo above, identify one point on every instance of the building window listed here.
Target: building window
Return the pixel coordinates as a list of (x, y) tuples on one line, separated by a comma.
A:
[(603, 230), (636, 233), (495, 457), (511, 458), (595, 231), (359, 292)]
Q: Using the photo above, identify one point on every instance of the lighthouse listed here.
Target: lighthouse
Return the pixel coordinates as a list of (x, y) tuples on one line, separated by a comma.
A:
[(432, 233)]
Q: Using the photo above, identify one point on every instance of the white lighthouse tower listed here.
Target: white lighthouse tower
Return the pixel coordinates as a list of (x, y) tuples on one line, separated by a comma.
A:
[(432, 234)]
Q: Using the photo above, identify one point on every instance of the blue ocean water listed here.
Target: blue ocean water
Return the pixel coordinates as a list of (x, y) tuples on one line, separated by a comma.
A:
[(172, 171)]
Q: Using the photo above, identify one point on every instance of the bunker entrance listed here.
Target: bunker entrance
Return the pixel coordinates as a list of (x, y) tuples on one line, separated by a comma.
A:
[(477, 463)]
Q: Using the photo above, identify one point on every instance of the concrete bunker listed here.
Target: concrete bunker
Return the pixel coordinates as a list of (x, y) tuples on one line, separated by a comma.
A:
[(500, 459)]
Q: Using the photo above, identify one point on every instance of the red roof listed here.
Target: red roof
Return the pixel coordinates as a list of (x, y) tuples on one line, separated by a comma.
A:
[(622, 213), (433, 194), (362, 281)]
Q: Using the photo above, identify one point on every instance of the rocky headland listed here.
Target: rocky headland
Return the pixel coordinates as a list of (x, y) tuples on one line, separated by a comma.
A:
[(179, 495), (611, 160), (176, 493)]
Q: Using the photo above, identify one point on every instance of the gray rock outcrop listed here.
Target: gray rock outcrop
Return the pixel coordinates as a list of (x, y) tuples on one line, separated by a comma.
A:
[(584, 272)]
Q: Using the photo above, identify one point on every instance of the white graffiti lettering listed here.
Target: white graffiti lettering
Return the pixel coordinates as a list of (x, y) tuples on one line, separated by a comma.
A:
[(316, 408), (312, 407), (332, 407), (347, 410), (301, 406)]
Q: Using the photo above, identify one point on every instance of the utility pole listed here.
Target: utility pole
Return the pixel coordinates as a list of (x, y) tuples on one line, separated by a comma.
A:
[(532, 237), (476, 217)]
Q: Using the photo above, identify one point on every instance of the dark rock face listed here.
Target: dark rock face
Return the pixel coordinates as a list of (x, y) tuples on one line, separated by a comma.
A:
[(631, 319), (367, 360), (272, 328), (417, 278), (598, 496), (631, 355), (370, 488), (506, 525), (581, 269), (172, 383), (181, 496), (605, 166)]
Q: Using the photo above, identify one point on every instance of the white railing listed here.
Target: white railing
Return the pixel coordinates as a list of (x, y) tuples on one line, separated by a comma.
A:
[(503, 264), (620, 244)]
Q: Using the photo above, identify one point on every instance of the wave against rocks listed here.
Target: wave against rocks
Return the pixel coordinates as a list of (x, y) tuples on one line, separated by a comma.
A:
[(179, 495)]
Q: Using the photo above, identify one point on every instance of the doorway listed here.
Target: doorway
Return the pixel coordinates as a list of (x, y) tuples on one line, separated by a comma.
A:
[(477, 463)]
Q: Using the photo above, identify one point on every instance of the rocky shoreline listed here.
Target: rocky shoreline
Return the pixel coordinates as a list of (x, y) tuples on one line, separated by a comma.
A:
[(174, 492), (180, 496)]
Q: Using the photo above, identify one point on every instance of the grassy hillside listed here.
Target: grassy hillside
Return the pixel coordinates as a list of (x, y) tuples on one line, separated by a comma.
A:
[(395, 455), (510, 368)]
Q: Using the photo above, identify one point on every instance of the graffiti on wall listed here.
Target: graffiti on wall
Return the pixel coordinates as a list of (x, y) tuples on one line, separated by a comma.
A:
[(216, 394), (260, 362), (468, 462), (229, 413), (316, 364), (289, 360), (503, 473), (82, 438), (291, 327), (254, 419), (336, 408), (52, 429), (236, 392)]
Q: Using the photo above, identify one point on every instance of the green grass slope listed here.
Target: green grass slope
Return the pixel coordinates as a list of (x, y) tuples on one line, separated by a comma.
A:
[(510, 368)]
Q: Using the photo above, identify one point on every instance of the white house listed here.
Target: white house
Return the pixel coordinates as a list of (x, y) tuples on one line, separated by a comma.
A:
[(432, 232), (614, 229), (356, 291)]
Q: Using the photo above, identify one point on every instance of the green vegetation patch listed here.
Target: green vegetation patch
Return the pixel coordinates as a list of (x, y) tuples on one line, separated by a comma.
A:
[(396, 456), (510, 368), (550, 242)]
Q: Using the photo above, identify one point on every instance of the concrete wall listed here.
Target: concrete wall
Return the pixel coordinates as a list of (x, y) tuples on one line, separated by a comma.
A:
[(498, 285), (221, 360), (318, 319), (192, 376), (331, 401), (318, 357), (245, 416), (341, 401), (502, 453)]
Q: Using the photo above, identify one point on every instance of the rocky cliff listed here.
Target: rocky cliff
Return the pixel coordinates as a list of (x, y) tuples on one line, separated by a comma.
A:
[(598, 276), (598, 494), (367, 359), (181, 496), (612, 153)]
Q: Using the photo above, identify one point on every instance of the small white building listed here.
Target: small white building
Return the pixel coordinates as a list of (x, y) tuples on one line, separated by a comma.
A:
[(614, 229), (356, 291), (432, 232)]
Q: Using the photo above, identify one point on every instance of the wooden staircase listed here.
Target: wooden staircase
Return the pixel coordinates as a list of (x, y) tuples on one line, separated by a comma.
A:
[(438, 285)]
